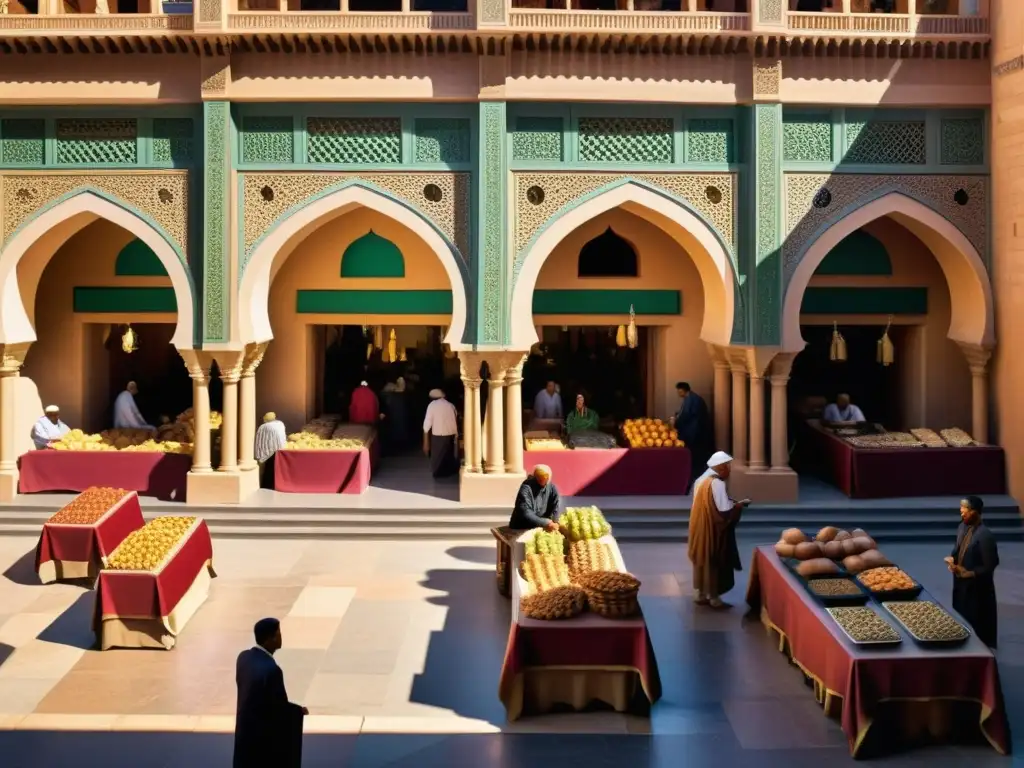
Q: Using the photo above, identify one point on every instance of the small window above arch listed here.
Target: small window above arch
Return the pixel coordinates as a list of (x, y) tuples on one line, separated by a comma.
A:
[(372, 256), (137, 259), (608, 255)]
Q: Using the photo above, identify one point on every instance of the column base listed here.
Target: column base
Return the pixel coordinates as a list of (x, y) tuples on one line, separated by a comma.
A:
[(204, 488), (764, 486), (9, 485), (489, 490)]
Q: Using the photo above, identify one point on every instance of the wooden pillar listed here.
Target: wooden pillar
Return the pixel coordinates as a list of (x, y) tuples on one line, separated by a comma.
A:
[(720, 403), (757, 420), (739, 412), (977, 358), (514, 416), (201, 418), (494, 422), (780, 412), (472, 434)]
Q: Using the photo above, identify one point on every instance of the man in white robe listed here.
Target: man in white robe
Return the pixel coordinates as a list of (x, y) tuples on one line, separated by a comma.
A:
[(842, 411), (126, 412), (48, 428), (270, 438)]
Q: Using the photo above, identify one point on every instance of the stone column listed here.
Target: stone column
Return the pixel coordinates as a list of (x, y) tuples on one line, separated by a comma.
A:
[(780, 412), (229, 430), (11, 359), (514, 416), (200, 417), (739, 412), (757, 420), (494, 420), (720, 402), (977, 358), (472, 433), (247, 407)]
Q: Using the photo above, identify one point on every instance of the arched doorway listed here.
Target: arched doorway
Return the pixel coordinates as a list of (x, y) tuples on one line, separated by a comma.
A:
[(64, 294)]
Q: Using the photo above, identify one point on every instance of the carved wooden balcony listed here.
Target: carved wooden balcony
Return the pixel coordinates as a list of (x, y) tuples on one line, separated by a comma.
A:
[(637, 19), (909, 20), (349, 17)]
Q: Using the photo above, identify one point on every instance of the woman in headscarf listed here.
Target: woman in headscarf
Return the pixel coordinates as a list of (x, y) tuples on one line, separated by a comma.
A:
[(581, 418), (712, 546), (973, 562)]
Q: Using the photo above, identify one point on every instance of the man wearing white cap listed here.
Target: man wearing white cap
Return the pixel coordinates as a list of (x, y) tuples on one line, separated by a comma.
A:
[(536, 503), (441, 435), (712, 541), (126, 412), (49, 427)]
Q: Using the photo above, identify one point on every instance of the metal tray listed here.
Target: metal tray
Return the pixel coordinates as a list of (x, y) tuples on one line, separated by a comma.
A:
[(839, 601), (867, 643), (893, 595), (792, 563), (926, 641)]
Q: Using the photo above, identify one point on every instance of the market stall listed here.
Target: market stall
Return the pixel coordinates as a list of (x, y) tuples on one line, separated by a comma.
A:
[(896, 464), (892, 672), (326, 456), (76, 542), (575, 661), (149, 473), (154, 583)]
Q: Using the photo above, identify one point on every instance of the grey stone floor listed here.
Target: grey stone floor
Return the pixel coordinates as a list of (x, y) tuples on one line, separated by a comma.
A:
[(413, 656)]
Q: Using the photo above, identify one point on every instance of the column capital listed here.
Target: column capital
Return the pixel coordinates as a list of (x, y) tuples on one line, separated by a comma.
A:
[(12, 357), (231, 366), (781, 365), (253, 357), (513, 365), (472, 382), (469, 365), (977, 357)]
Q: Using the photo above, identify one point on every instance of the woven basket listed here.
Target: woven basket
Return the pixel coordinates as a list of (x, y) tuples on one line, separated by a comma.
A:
[(612, 604), (557, 603)]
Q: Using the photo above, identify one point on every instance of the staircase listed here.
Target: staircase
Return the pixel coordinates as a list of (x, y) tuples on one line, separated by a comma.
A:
[(633, 519)]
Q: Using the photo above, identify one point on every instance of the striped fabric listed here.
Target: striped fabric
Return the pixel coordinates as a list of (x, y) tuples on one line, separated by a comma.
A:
[(270, 438)]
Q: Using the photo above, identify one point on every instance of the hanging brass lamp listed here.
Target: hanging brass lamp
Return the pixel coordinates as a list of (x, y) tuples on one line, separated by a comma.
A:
[(886, 350), (837, 350), (620, 336), (632, 335), (392, 346), (378, 337), (129, 341)]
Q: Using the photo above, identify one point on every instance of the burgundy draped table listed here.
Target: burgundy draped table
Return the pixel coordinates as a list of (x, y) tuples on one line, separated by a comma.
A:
[(616, 471), (150, 473), (867, 680), (322, 471), (878, 473)]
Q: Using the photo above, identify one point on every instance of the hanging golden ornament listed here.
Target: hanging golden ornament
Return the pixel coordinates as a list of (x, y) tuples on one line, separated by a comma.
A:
[(632, 335), (129, 341), (620, 336), (378, 337), (369, 351), (886, 351), (392, 346), (837, 351)]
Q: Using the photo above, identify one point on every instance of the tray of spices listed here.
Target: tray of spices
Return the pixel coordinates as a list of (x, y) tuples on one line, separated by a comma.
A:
[(889, 583), (928, 623), (864, 627), (837, 590)]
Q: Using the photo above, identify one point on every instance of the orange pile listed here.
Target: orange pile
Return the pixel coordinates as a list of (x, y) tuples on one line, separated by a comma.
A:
[(89, 506), (650, 433)]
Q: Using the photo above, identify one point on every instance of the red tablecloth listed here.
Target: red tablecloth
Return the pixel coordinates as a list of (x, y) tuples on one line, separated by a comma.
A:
[(865, 680), (322, 471), (163, 475), (154, 594), (87, 546), (617, 471)]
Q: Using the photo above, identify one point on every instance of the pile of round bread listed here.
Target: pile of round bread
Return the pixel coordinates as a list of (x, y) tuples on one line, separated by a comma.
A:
[(819, 556), (555, 603)]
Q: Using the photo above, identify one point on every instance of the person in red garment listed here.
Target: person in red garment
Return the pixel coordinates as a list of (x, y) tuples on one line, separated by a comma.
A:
[(364, 407)]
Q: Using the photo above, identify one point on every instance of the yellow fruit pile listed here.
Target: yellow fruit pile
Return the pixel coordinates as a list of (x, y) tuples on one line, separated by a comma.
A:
[(88, 506), (183, 428), (545, 572), (650, 433), (148, 547), (119, 440), (318, 435)]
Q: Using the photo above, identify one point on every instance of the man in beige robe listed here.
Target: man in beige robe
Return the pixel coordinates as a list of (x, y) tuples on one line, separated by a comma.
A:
[(712, 542)]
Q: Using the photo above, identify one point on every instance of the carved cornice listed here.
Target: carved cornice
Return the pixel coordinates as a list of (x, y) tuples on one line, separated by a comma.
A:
[(977, 357)]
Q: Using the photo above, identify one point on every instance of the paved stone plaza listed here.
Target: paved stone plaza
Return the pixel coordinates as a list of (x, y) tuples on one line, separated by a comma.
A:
[(396, 650)]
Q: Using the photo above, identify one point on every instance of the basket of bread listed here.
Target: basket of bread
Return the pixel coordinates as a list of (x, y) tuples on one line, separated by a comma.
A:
[(610, 593)]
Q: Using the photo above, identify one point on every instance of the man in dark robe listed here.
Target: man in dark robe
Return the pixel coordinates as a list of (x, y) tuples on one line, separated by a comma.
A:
[(693, 423), (973, 562), (536, 503), (268, 728)]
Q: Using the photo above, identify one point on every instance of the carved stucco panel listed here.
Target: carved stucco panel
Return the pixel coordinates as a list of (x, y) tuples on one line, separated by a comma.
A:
[(161, 196), (561, 189), (846, 192), (287, 190)]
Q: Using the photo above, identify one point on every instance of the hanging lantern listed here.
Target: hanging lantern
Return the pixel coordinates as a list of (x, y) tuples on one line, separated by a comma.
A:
[(369, 351), (632, 335), (402, 358), (129, 341), (886, 351), (392, 346), (620, 336), (378, 337), (837, 351)]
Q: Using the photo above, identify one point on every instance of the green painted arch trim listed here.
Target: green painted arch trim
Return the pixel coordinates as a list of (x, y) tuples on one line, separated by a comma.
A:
[(137, 259), (460, 259), (859, 254), (372, 256), (831, 301)]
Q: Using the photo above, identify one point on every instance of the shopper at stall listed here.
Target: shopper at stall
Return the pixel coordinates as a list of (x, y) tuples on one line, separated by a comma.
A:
[(395, 424), (364, 407), (271, 437), (126, 413), (842, 411), (693, 423), (581, 418), (548, 403), (49, 427), (268, 727), (712, 545), (536, 503), (973, 562), (441, 435)]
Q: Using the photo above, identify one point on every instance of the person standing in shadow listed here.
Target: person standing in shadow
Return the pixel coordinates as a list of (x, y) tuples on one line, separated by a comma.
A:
[(973, 562), (268, 727)]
